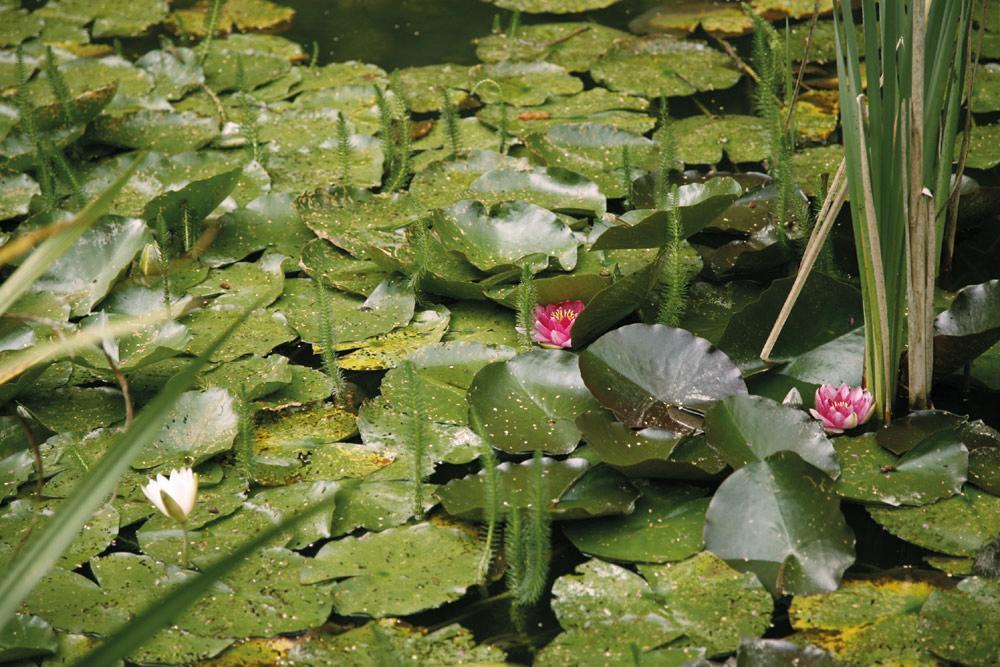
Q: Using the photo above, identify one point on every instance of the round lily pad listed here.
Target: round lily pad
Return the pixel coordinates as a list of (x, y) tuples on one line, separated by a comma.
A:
[(574, 46), (644, 373), (664, 66), (530, 402)]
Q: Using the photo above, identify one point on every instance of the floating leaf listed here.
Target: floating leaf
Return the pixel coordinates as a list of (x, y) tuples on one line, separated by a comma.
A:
[(164, 131), (664, 66), (77, 409), (780, 519), (24, 637), (201, 424), (398, 571), (969, 327), (552, 6), (866, 622), (530, 402), (596, 105), (747, 429), (955, 624), (506, 234), (574, 46), (934, 469), (262, 332), (702, 139), (958, 526), (644, 373), (666, 525), (270, 220), (686, 16), (523, 84)]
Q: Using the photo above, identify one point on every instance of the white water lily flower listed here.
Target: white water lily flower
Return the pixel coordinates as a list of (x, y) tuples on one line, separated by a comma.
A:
[(174, 496)]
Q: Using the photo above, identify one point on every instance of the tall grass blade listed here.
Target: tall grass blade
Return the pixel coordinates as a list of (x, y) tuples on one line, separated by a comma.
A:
[(169, 607), (53, 248), (48, 543)]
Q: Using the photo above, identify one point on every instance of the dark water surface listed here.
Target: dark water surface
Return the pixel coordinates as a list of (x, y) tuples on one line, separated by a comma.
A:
[(406, 33)]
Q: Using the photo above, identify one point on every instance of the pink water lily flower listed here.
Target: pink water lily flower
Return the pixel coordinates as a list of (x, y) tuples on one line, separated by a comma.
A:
[(842, 408), (554, 322)]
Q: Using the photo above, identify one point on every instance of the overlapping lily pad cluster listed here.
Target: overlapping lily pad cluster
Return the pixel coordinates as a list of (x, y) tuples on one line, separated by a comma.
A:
[(686, 495)]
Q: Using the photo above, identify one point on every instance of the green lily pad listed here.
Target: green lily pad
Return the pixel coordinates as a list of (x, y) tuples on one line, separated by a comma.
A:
[(702, 139), (244, 284), (388, 430), (955, 623), (353, 319), (748, 429), (164, 131), (319, 165), (595, 150), (523, 84), (352, 225), (389, 638), (423, 84), (866, 622), (190, 205), (596, 105), (83, 274), (77, 409), (780, 519), (551, 187), (504, 235), (909, 431), (644, 373), (958, 526), (986, 92), (270, 220), (810, 165), (88, 74), (552, 6), (699, 204), (259, 334), (21, 518), (481, 323), (201, 424), (530, 402), (933, 470), (398, 571), (648, 452), (686, 16), (444, 183), (375, 505), (984, 146), (763, 652), (827, 308), (969, 327), (24, 637), (112, 19), (436, 146), (232, 65), (574, 46), (666, 525), (339, 270), (664, 66), (16, 192), (258, 376), (307, 385), (176, 72), (699, 602), (388, 350), (19, 25)]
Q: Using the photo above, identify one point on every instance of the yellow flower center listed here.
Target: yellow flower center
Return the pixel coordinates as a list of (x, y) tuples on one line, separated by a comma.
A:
[(564, 314)]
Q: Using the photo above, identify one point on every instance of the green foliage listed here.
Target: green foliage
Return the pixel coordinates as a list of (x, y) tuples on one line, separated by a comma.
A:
[(59, 88), (668, 157), (491, 505), (248, 114), (400, 169), (22, 99), (450, 118), (162, 239), (245, 438), (211, 25), (537, 539), (674, 280), (627, 178), (413, 406), (385, 129), (421, 240), (344, 150), (527, 299), (327, 342)]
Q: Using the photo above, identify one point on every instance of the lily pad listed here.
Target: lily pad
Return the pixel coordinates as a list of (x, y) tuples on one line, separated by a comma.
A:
[(551, 187), (388, 350), (164, 131), (595, 105), (958, 526), (984, 146), (866, 621), (176, 71), (83, 274), (666, 525), (644, 373), (16, 193), (201, 424), (423, 84), (780, 519), (270, 220), (24, 637), (506, 234), (955, 626), (664, 66), (986, 92), (574, 46), (747, 429), (933, 470), (969, 327), (686, 16), (523, 84), (398, 571), (112, 19), (552, 6), (530, 402), (259, 334)]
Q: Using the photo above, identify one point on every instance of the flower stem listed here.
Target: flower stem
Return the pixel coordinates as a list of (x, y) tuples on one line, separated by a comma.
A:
[(184, 544)]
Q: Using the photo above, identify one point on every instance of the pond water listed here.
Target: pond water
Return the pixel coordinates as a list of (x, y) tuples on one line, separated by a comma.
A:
[(407, 33)]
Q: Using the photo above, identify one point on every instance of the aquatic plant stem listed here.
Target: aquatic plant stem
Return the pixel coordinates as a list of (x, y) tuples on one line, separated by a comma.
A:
[(834, 202), (184, 544)]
